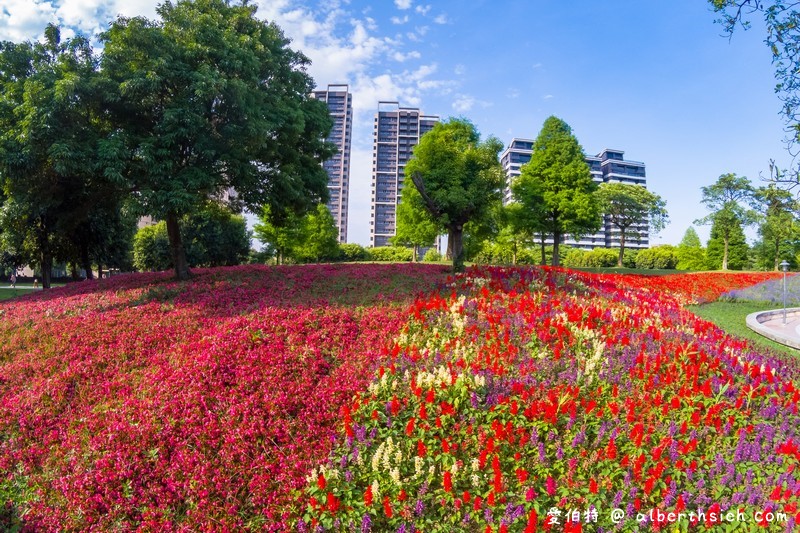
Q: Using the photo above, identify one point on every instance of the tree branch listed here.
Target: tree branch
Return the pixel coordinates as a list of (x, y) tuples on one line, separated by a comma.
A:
[(416, 178)]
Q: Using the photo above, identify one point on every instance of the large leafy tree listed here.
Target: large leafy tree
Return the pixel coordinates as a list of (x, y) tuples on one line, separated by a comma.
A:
[(727, 199), (560, 176), (632, 209), (51, 124), (210, 99), (777, 227), (458, 178), (414, 225), (727, 247)]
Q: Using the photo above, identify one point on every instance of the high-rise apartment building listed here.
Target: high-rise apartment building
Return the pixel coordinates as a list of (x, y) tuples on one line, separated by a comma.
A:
[(340, 107), (607, 166), (396, 131)]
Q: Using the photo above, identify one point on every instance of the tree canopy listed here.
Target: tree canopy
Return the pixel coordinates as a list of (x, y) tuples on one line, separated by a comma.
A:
[(558, 174), (59, 202), (458, 177), (778, 227), (632, 209), (728, 200), (208, 100)]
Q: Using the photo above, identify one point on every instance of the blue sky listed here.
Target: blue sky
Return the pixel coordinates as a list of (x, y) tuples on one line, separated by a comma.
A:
[(653, 78)]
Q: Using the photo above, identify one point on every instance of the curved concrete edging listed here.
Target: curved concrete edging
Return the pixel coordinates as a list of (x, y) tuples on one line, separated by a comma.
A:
[(770, 325)]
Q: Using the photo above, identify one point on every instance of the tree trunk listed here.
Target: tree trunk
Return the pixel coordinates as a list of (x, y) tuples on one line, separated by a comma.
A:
[(541, 243), (556, 239), (777, 255), (621, 249), (414, 253), (176, 247), (514, 253), (86, 263), (725, 254), (455, 246), (47, 267)]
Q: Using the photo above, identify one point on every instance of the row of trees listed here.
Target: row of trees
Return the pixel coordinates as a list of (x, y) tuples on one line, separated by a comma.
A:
[(174, 112), (455, 181)]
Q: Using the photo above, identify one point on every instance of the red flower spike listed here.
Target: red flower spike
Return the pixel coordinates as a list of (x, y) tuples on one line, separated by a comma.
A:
[(387, 507)]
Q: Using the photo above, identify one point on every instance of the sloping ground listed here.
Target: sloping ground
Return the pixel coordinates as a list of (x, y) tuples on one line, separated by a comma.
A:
[(138, 403), (519, 393)]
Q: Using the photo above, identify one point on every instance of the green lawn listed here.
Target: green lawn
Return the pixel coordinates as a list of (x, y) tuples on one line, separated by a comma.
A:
[(5, 293), (730, 316), (623, 270)]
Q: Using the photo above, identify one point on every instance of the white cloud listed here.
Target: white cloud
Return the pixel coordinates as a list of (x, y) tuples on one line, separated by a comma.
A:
[(513, 93), (401, 57), (22, 20), (418, 33), (423, 10), (441, 19), (547, 97), (537, 65), (398, 20), (460, 69), (463, 103), (402, 4)]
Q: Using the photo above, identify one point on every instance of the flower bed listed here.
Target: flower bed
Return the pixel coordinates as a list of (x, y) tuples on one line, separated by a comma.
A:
[(138, 403), (768, 291), (523, 396)]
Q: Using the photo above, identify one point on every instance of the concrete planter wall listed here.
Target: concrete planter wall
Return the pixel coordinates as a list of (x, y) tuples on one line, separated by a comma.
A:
[(776, 331)]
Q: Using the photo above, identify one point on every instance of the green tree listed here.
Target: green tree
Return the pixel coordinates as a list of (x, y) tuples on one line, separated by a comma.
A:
[(414, 225), (632, 209), (777, 225), (215, 236), (51, 125), (727, 247), (690, 252), (558, 173), (319, 239), (283, 234), (527, 216), (151, 248), (208, 99), (458, 177), (724, 199)]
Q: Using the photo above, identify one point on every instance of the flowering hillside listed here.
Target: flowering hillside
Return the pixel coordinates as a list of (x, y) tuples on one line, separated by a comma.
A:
[(385, 398), (139, 403), (527, 400)]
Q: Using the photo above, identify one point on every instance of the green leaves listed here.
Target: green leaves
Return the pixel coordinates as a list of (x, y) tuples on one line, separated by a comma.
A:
[(556, 184), (210, 98), (457, 177)]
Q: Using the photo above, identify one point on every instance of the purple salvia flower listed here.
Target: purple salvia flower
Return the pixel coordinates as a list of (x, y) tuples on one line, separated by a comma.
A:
[(366, 524)]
